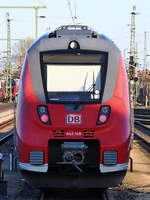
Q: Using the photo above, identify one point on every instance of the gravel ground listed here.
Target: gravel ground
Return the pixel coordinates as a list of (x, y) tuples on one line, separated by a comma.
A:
[(127, 194), (6, 106), (21, 191)]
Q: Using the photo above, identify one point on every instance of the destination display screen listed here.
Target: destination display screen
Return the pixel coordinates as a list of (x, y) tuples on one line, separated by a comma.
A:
[(75, 78)]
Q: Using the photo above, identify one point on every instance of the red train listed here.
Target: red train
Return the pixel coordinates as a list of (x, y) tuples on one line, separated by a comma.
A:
[(11, 91), (73, 114)]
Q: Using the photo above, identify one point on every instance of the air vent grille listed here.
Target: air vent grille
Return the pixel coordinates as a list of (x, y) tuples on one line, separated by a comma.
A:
[(58, 133), (110, 157), (88, 134), (36, 157)]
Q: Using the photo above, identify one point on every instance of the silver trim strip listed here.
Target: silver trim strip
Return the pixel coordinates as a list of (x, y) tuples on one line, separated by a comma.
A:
[(44, 168), (113, 168), (35, 168)]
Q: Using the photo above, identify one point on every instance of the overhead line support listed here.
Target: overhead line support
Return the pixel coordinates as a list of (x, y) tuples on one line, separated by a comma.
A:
[(36, 8)]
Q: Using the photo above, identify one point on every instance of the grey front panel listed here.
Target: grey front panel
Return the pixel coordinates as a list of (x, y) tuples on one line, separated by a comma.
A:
[(47, 44)]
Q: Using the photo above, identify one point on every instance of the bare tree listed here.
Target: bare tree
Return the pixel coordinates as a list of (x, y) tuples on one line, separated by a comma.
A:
[(19, 51)]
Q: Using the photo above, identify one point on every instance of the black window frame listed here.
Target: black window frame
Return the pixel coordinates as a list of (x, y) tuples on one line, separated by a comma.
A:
[(43, 67)]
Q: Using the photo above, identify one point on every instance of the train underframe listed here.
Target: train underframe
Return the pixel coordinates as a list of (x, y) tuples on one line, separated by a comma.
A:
[(71, 164), (90, 179)]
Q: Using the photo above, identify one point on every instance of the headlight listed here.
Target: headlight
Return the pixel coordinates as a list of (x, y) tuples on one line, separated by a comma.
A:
[(103, 115), (43, 114)]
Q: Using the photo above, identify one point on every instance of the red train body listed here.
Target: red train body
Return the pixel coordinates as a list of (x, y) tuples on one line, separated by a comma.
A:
[(14, 88), (73, 137)]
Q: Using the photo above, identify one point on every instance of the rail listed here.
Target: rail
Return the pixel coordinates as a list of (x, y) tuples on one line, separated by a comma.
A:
[(140, 134), (142, 125), (142, 139), (6, 137), (6, 115), (7, 122)]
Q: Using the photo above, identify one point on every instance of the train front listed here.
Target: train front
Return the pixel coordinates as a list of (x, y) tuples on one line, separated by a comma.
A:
[(73, 117)]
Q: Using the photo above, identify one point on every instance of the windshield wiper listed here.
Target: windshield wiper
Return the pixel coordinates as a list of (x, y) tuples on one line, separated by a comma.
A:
[(84, 85), (92, 87)]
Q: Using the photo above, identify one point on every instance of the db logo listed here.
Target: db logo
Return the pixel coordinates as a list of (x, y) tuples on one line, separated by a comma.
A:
[(73, 119)]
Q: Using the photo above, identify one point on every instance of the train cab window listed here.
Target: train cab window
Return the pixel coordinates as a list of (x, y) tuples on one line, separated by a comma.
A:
[(74, 78)]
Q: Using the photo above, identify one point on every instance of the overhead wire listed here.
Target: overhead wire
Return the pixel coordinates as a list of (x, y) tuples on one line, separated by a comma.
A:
[(41, 2), (71, 12), (75, 8)]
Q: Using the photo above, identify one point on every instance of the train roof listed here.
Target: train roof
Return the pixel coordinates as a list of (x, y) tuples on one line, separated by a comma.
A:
[(88, 40), (82, 31)]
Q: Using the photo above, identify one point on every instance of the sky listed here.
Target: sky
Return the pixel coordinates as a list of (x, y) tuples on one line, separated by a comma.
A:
[(110, 17)]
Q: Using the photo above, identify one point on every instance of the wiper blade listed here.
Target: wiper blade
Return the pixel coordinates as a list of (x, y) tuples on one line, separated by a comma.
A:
[(91, 88), (83, 88)]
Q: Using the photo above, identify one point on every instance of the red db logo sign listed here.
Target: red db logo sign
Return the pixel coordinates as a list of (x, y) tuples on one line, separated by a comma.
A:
[(73, 119)]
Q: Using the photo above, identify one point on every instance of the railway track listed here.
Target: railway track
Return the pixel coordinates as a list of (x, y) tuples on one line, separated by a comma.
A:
[(6, 123), (6, 106), (6, 136), (7, 117), (142, 125), (142, 136), (32, 194), (75, 195)]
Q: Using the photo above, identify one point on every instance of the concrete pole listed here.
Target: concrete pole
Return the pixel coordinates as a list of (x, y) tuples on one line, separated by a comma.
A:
[(36, 23)]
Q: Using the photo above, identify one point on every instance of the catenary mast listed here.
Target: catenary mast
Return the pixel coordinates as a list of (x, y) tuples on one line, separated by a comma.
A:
[(133, 61)]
